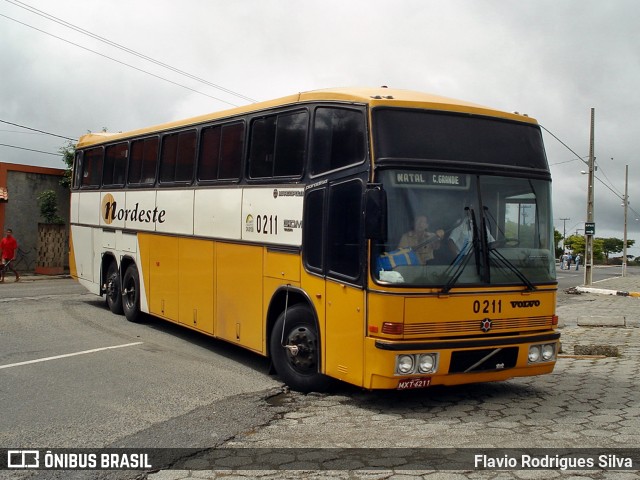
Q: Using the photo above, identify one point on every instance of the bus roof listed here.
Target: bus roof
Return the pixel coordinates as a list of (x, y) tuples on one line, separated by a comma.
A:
[(375, 97)]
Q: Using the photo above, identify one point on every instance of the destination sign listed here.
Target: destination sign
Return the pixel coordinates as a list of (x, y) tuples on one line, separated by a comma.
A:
[(431, 179)]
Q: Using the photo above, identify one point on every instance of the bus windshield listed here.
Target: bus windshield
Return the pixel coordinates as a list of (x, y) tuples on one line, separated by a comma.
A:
[(447, 229)]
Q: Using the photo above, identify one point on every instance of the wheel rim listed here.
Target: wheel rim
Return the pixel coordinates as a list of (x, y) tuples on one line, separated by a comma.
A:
[(112, 289), (130, 293), (304, 360)]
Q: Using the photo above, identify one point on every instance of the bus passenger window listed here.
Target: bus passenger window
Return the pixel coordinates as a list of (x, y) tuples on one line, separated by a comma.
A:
[(339, 139), (291, 140), (221, 152), (209, 153), (278, 145), (231, 151), (142, 162), (92, 167), (263, 136), (178, 157), (115, 164)]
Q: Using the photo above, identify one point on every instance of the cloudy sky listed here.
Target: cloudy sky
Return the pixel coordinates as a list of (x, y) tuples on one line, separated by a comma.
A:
[(551, 59)]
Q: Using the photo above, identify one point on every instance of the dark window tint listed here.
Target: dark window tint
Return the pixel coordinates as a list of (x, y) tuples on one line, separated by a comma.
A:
[(278, 145), (178, 157), (231, 151), (115, 164), (443, 136), (221, 152), (339, 139), (263, 139), (92, 167), (142, 161), (209, 153), (313, 228), (344, 236)]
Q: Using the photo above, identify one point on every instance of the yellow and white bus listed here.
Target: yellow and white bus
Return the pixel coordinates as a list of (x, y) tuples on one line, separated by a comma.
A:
[(295, 228)]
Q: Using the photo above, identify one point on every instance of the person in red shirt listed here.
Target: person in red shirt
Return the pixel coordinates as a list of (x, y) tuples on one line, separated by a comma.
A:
[(8, 246)]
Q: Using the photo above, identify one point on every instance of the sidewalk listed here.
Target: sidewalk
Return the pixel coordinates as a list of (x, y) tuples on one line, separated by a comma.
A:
[(602, 319)]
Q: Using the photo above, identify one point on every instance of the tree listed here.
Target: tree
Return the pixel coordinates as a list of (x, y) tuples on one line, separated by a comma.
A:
[(557, 236), (48, 201), (610, 246), (68, 153), (576, 243)]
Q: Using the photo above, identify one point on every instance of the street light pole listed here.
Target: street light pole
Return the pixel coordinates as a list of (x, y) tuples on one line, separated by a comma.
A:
[(626, 203), (588, 251)]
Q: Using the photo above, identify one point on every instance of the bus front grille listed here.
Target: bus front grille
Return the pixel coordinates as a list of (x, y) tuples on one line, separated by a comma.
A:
[(473, 327), (470, 361)]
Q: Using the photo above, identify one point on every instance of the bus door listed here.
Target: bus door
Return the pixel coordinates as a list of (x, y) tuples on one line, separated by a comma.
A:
[(333, 248)]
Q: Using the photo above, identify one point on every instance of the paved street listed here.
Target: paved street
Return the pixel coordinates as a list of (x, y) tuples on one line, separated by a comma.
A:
[(590, 402)]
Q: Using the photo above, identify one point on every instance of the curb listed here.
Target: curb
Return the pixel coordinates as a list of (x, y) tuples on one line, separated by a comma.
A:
[(603, 291), (33, 278)]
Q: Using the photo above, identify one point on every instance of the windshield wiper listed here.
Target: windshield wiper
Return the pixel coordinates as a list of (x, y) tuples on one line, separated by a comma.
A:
[(464, 255), (502, 262)]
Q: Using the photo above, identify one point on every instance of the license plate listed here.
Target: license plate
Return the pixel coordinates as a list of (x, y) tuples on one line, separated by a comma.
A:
[(411, 383)]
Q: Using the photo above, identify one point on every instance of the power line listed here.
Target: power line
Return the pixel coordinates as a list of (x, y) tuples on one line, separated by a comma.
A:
[(29, 149), (119, 61), (126, 49), (39, 131)]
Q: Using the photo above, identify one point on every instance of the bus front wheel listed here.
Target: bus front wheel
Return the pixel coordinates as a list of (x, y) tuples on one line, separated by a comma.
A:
[(295, 350), (131, 294)]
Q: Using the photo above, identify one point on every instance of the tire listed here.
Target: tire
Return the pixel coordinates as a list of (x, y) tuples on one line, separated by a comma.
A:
[(113, 293), (301, 370), (131, 294)]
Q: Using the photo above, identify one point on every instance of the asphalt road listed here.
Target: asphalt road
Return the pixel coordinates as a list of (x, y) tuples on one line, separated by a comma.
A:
[(72, 374)]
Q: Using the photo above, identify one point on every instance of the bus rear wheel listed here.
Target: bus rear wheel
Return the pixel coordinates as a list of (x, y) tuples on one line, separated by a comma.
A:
[(295, 350), (131, 294), (113, 293)]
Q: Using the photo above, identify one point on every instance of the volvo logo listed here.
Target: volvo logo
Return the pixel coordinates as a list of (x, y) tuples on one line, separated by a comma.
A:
[(485, 325)]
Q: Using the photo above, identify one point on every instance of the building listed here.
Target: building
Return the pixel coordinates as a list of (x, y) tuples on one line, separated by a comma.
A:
[(20, 186)]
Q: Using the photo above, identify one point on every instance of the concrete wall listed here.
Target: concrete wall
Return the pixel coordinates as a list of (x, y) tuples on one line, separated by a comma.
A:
[(21, 212)]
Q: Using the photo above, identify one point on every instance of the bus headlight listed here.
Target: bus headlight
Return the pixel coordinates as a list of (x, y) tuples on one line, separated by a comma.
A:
[(426, 363), (405, 364), (416, 363), (545, 352), (534, 353), (548, 352)]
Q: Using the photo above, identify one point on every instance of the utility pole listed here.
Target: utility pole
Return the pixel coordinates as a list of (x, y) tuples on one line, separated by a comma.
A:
[(564, 232), (626, 203), (588, 251)]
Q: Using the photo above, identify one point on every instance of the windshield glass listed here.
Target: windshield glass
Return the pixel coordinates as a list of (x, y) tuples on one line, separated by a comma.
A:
[(448, 229)]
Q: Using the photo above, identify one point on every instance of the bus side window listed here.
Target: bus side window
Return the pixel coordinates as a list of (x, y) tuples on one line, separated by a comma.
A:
[(277, 147), (209, 153), (92, 167), (231, 152), (115, 164), (291, 141), (339, 139), (178, 157), (142, 161), (221, 152)]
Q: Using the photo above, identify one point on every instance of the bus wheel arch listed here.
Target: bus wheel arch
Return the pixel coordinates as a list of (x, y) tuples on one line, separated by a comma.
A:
[(294, 341), (112, 281)]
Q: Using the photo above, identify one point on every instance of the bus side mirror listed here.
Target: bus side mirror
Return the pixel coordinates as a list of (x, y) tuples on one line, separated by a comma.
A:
[(375, 213)]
